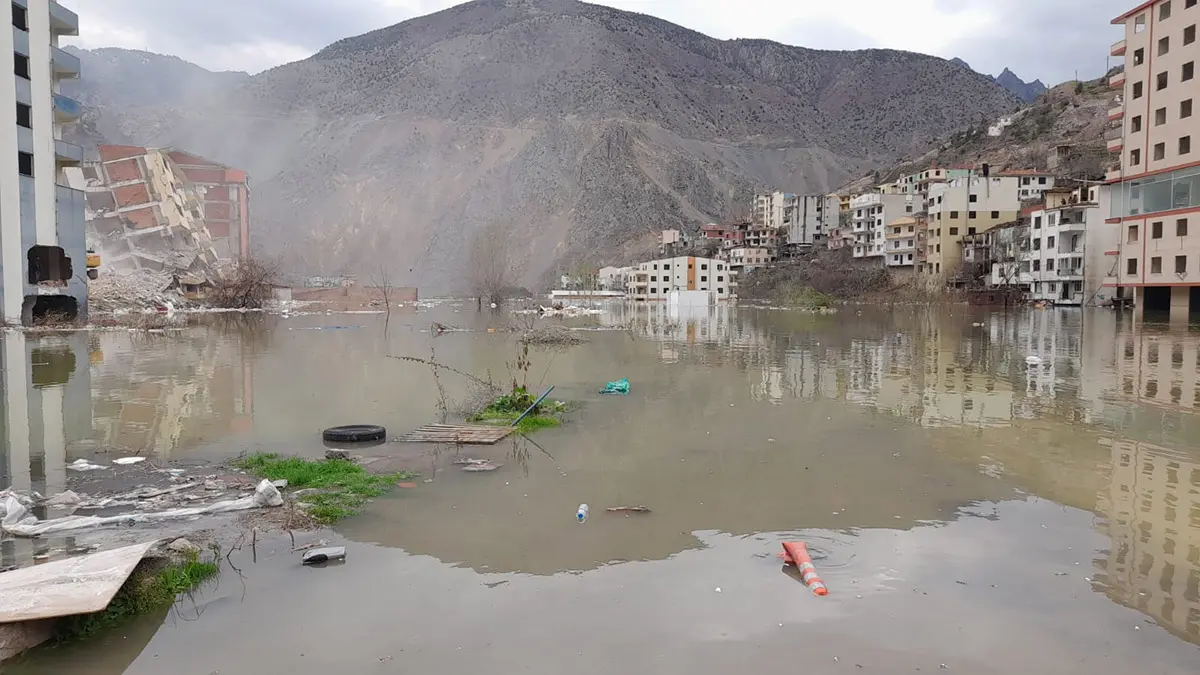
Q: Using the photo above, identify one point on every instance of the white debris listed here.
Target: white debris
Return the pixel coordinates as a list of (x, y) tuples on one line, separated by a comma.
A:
[(124, 461), (84, 465), (132, 289)]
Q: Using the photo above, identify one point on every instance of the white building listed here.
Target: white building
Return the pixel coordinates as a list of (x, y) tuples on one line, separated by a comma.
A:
[(900, 243), (870, 214), (813, 219), (656, 279), (1031, 184), (673, 240), (43, 248), (775, 209), (613, 278), (1057, 250)]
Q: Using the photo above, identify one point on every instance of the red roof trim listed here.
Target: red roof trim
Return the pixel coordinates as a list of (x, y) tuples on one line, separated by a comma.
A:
[(1135, 10)]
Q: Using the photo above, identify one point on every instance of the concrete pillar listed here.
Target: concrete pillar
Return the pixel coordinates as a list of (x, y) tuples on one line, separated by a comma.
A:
[(1139, 303), (1180, 304)]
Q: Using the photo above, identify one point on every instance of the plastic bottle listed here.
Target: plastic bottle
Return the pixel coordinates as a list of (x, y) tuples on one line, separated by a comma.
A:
[(582, 514)]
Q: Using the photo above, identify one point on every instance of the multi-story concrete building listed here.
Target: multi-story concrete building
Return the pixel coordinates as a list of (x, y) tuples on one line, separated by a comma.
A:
[(1057, 251), (43, 259), (673, 241), (656, 279), (775, 209), (900, 243), (960, 207), (870, 214), (1155, 200), (1031, 184), (812, 221)]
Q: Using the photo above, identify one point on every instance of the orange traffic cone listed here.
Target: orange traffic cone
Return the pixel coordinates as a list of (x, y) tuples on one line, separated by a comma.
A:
[(796, 553)]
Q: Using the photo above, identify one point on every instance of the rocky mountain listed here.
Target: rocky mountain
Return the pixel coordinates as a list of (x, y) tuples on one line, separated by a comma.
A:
[(1064, 129), (1026, 91), (580, 129)]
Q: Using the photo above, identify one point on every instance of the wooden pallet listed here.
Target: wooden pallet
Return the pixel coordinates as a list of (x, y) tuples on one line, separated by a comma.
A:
[(466, 434)]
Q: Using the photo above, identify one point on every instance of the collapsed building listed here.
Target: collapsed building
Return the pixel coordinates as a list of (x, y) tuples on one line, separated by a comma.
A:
[(165, 211)]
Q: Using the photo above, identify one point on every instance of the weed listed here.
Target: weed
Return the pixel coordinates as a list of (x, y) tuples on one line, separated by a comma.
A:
[(344, 486), (148, 589)]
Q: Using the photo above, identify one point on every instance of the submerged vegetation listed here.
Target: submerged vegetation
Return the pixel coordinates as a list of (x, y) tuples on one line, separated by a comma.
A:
[(507, 408), (152, 586), (339, 488)]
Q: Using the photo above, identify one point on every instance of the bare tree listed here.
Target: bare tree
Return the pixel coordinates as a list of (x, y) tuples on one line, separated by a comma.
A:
[(381, 280), (246, 285), (491, 270)]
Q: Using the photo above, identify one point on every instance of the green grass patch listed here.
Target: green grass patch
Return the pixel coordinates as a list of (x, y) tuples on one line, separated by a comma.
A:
[(346, 486), (147, 590), (808, 298), (505, 409)]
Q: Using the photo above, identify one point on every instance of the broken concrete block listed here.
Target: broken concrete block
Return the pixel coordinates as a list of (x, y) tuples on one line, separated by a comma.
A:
[(183, 547), (337, 453), (323, 555)]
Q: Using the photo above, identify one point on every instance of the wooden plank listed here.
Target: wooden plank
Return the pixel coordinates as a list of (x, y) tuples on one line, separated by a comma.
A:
[(463, 434), (73, 586)]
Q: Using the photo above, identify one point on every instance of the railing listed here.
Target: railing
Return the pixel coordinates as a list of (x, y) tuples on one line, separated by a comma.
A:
[(65, 63), (67, 107), (1117, 80), (1117, 49), (1116, 113)]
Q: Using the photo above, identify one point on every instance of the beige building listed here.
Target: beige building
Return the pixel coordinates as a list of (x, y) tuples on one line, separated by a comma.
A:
[(656, 279), (1156, 181), (869, 216), (960, 207), (900, 243)]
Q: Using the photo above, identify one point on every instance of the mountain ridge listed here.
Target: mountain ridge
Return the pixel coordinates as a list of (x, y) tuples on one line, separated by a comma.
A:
[(583, 129)]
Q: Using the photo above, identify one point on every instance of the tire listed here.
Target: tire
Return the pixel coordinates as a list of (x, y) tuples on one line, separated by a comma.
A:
[(354, 433)]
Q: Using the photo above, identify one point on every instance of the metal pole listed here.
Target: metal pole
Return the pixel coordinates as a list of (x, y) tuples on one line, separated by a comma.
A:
[(535, 404)]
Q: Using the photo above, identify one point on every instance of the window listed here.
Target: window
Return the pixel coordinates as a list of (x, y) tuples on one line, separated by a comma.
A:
[(1189, 71), (666, 266), (1164, 11), (1049, 242), (1037, 222), (1160, 151), (995, 215), (1131, 266), (1160, 81), (1181, 264), (24, 115), (1037, 265), (20, 17), (21, 65), (653, 290), (1185, 145), (1139, 56), (1133, 235), (1135, 124), (1156, 265), (1160, 117), (720, 278), (1189, 34), (1052, 287), (1164, 46), (655, 265), (973, 198), (939, 249), (1137, 90), (1050, 265), (25, 163), (703, 278), (1156, 230), (1037, 244), (971, 215), (953, 215), (1188, 4), (1042, 180), (970, 230), (703, 266), (953, 231), (1185, 109), (1139, 24), (1181, 227), (908, 209)]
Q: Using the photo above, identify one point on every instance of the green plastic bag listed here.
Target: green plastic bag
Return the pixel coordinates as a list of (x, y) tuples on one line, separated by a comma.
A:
[(620, 386)]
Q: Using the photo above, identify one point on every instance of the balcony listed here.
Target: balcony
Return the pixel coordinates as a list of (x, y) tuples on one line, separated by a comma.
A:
[(62, 20), (66, 109), (1117, 49), (1113, 175), (65, 64), (67, 154), (1115, 144), (1116, 113), (1071, 273), (1117, 81)]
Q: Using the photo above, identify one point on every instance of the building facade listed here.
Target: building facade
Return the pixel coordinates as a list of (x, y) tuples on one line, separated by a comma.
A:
[(1155, 200), (870, 214), (656, 279), (961, 207), (900, 243), (815, 218), (43, 250), (1058, 253)]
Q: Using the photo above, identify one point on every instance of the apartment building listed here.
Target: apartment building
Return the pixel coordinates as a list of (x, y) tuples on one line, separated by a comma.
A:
[(901, 239), (656, 279), (815, 217), (775, 209), (870, 214), (1057, 251), (43, 250), (961, 207), (1032, 184), (1155, 198)]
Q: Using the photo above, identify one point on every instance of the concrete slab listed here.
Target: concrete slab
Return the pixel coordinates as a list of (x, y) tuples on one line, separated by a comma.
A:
[(66, 587)]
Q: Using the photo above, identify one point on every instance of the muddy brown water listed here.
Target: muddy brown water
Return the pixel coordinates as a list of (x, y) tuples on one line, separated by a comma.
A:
[(966, 509)]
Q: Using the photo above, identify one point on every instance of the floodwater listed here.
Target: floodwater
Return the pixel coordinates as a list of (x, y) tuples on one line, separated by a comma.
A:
[(968, 511)]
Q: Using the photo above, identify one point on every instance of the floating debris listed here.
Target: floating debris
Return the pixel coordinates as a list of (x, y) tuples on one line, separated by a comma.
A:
[(628, 509)]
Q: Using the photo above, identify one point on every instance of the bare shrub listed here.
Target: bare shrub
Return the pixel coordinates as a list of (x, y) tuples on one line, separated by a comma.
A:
[(246, 285), (491, 266)]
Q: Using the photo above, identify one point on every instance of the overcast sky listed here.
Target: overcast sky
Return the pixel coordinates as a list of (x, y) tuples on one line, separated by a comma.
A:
[(1047, 39)]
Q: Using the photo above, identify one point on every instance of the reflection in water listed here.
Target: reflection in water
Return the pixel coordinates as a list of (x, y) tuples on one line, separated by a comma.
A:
[(740, 420)]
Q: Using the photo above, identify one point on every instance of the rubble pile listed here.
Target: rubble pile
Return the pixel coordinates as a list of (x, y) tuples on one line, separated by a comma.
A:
[(133, 290)]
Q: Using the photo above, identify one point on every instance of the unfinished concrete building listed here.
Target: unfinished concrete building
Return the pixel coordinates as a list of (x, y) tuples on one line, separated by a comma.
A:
[(165, 210)]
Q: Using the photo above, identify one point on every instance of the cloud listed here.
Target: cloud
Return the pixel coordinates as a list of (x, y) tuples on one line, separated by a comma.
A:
[(1047, 39)]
